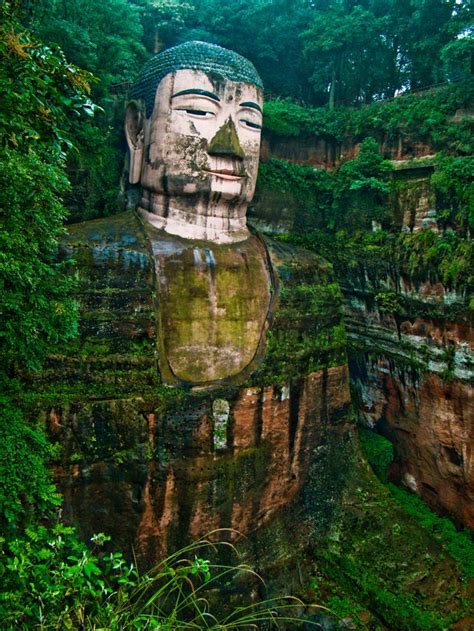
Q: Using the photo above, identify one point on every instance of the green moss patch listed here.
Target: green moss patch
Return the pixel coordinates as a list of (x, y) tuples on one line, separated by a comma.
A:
[(381, 567)]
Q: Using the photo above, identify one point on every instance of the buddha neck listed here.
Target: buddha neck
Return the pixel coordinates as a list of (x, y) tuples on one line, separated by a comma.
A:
[(196, 217)]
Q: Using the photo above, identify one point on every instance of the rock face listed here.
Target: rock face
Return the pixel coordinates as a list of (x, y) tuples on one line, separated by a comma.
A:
[(411, 360), (415, 202), (328, 153), (412, 368), (150, 458), (217, 330), (170, 483), (430, 419)]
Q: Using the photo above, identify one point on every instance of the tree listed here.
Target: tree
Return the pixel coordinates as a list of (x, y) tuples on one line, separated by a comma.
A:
[(351, 53), (104, 37), (163, 21), (361, 190), (265, 31), (370, 49), (42, 95)]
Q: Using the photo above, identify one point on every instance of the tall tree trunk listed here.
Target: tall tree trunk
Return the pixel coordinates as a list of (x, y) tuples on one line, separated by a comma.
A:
[(332, 91)]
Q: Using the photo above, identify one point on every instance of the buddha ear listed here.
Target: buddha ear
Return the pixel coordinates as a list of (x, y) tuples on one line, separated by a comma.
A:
[(134, 132)]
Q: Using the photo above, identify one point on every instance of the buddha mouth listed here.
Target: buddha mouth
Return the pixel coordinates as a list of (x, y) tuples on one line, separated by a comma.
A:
[(226, 174)]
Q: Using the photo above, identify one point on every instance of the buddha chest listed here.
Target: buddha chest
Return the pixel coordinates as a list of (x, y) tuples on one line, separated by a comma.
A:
[(212, 306)]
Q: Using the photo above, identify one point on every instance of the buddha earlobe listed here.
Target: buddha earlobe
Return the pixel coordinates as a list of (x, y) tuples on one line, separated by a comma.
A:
[(134, 133)]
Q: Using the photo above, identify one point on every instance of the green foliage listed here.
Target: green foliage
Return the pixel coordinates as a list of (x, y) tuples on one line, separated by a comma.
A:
[(378, 559), (94, 169), (388, 302), (320, 52), (284, 117), (300, 196), (378, 451), (51, 580), (103, 37), (457, 55), (307, 333), (41, 94), (36, 311), (427, 117), (421, 256), (344, 607), (453, 181), (458, 543), (309, 199), (164, 21), (428, 255), (397, 609), (26, 492), (264, 31), (361, 189), (367, 169), (342, 41)]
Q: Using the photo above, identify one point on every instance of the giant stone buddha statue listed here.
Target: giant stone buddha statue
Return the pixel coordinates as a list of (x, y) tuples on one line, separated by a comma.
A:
[(194, 138), (209, 376)]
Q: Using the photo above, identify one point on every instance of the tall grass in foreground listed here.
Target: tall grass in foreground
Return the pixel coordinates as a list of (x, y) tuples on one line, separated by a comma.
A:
[(186, 591)]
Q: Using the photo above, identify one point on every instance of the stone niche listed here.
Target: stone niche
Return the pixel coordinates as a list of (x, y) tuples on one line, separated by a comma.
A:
[(155, 457)]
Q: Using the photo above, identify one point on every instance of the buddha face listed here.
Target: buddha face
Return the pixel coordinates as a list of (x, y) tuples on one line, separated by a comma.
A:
[(201, 144)]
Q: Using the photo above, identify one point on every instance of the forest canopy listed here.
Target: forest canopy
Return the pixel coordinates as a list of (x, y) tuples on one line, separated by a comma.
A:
[(318, 51)]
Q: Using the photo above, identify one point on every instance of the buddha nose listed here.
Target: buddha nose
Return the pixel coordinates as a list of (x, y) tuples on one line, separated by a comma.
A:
[(226, 142)]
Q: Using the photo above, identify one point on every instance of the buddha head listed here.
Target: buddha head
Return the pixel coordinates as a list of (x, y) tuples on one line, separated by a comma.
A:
[(193, 130)]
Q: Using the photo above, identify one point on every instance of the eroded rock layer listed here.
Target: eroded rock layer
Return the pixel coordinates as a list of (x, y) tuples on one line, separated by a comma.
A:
[(412, 367), (166, 477), (410, 333)]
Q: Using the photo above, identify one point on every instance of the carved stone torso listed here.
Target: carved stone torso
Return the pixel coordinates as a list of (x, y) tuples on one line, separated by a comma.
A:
[(213, 303), (205, 379)]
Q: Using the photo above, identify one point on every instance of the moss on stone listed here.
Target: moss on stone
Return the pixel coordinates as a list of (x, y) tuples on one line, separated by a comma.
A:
[(226, 142), (213, 303), (377, 557)]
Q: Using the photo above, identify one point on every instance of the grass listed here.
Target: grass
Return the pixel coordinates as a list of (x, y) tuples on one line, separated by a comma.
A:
[(185, 591)]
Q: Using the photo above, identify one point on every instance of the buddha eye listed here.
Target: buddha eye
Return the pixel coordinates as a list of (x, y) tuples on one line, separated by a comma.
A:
[(198, 113), (250, 124)]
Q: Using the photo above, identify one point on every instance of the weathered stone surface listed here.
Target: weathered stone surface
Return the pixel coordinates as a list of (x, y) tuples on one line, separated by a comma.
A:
[(195, 149), (415, 203), (154, 464), (213, 306), (414, 382), (431, 424), (154, 480), (374, 548), (325, 153)]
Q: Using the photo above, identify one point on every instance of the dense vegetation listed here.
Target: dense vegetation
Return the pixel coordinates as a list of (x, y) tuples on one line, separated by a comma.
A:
[(315, 52), (387, 557), (427, 117), (41, 93), (318, 51), (61, 152), (379, 453), (334, 215)]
